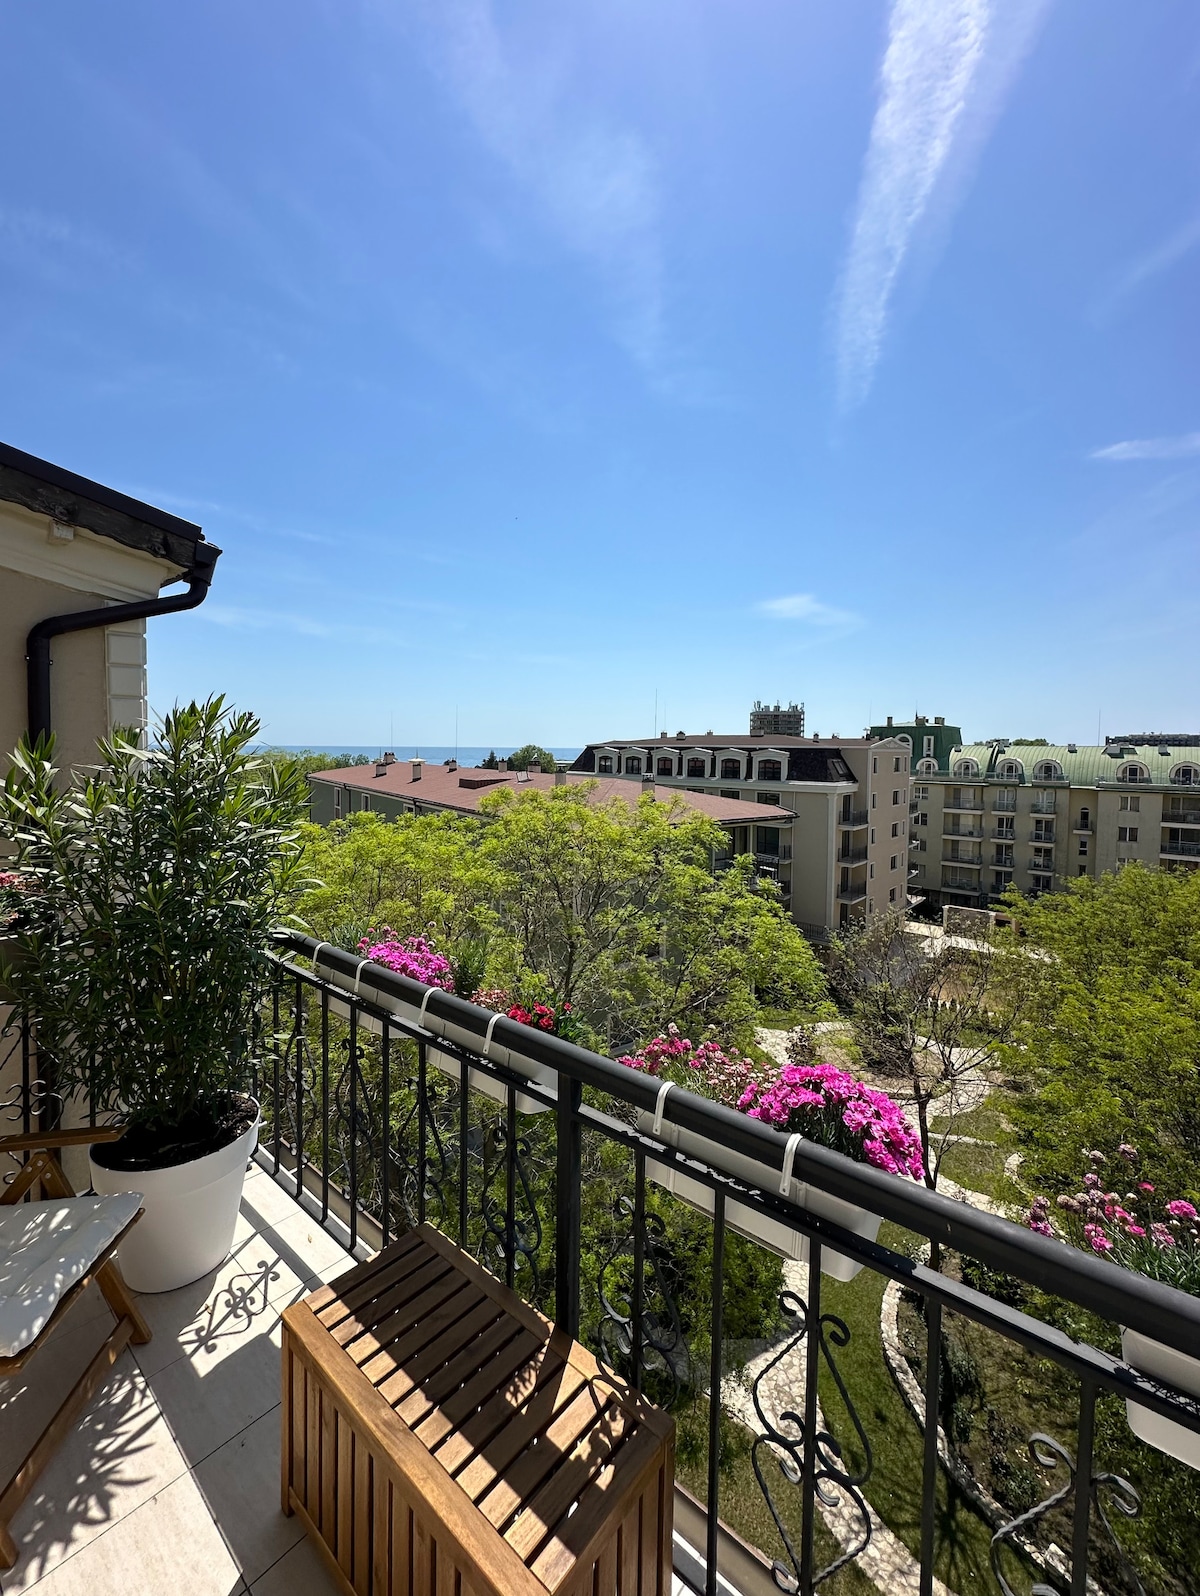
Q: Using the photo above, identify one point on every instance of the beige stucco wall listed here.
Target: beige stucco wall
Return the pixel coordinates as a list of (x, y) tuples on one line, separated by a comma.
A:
[(98, 677)]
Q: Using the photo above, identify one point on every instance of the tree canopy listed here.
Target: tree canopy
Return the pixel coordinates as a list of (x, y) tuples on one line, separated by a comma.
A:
[(611, 907), (1109, 1047), (531, 754)]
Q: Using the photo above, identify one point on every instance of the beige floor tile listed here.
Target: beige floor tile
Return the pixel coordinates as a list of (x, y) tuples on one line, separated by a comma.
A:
[(170, 1544), (240, 1483), (120, 1454), (300, 1573), (266, 1202), (264, 1267), (211, 1394), (304, 1237)]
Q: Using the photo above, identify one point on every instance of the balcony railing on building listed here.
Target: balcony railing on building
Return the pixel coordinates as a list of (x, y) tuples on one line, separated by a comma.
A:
[(387, 1104), (854, 817), (1180, 849), (852, 855)]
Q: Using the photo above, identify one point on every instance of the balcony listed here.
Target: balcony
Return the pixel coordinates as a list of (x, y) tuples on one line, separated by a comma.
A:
[(962, 806), (373, 1122), (1004, 834), (1043, 806), (962, 831), (854, 893), (1180, 817), (1082, 830), (967, 861), (854, 818), (1042, 836), (1181, 849), (1004, 806), (852, 856)]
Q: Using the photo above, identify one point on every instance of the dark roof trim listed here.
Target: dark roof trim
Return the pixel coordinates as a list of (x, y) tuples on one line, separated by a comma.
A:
[(75, 501)]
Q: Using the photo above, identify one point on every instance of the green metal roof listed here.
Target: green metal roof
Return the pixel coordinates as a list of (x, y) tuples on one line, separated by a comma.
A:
[(1083, 764)]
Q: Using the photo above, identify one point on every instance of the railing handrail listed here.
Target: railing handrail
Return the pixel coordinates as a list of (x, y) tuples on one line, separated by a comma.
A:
[(1116, 1294)]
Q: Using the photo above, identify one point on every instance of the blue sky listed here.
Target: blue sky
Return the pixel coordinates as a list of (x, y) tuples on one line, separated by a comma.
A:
[(533, 361)]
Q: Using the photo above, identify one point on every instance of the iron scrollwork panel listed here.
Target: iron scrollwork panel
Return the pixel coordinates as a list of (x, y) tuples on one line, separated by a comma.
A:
[(662, 1365), (785, 1439)]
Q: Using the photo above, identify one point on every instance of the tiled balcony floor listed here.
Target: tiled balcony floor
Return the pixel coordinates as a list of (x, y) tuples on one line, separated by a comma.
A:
[(171, 1480)]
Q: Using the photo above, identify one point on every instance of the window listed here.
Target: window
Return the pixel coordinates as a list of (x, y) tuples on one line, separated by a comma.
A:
[(927, 767), (1083, 870), (1002, 880), (891, 894), (872, 836), (1083, 848), (769, 770), (697, 767), (921, 794), (871, 871), (1133, 773), (337, 803), (1186, 776), (895, 828), (1127, 833), (921, 819), (366, 800), (604, 765), (874, 797), (1085, 818), (665, 765), (894, 862), (896, 765), (731, 768), (1048, 770), (1131, 802), (874, 767), (730, 792), (1010, 770), (633, 765), (767, 797), (966, 767)]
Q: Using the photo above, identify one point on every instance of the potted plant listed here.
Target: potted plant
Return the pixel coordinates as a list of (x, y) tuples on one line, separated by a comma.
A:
[(823, 1102), (143, 963), (14, 890), (1160, 1238)]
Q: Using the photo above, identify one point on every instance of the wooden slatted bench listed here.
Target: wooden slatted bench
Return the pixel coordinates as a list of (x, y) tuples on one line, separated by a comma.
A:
[(441, 1438)]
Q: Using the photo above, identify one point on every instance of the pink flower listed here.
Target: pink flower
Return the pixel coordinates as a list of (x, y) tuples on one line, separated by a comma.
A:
[(1097, 1239), (1180, 1209), (1161, 1236)]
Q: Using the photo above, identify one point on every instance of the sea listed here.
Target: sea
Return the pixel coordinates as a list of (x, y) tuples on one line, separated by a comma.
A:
[(435, 753)]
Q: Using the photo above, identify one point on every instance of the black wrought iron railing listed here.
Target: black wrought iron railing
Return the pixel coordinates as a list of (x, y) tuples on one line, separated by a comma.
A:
[(623, 1210)]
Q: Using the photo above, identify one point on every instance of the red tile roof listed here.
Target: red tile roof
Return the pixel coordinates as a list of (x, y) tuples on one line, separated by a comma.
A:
[(465, 787)]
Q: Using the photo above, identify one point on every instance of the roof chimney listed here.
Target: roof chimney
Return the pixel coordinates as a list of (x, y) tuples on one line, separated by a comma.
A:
[(939, 720), (560, 777), (418, 765), (452, 764), (389, 758), (889, 720), (535, 767), (381, 767), (504, 764)]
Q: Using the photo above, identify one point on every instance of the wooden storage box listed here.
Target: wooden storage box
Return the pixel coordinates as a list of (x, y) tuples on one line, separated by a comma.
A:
[(441, 1438)]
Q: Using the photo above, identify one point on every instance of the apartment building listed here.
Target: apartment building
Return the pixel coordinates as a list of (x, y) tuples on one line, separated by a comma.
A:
[(776, 719), (847, 856), (989, 816)]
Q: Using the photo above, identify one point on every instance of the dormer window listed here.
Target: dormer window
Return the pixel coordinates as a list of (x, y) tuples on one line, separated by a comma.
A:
[(697, 767), (665, 765), (633, 765), (731, 769), (1133, 773), (770, 770), (604, 765), (966, 767), (1186, 776), (1049, 770), (1010, 770), (927, 767)]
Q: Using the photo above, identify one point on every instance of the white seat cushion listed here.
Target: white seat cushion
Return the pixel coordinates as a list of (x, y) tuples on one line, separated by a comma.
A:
[(44, 1249)]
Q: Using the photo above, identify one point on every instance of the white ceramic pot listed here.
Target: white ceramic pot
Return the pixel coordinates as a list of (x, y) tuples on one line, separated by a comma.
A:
[(1171, 1368), (771, 1233), (190, 1213)]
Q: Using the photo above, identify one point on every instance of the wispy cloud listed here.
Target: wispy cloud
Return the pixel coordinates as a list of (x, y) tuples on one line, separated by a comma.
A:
[(1179, 448), (594, 183), (946, 72), (810, 611), (1153, 263)]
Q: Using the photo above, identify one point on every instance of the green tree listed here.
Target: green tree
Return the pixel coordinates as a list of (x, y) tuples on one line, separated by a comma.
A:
[(418, 874), (929, 1011), (1109, 1050), (615, 906), (531, 754), (307, 760)]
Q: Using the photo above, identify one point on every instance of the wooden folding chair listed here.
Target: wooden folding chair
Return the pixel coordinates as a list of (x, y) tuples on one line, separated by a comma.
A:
[(44, 1171)]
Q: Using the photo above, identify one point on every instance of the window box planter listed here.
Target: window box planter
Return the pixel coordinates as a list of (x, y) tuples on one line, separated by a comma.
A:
[(771, 1233), (412, 1014), (1178, 1369)]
